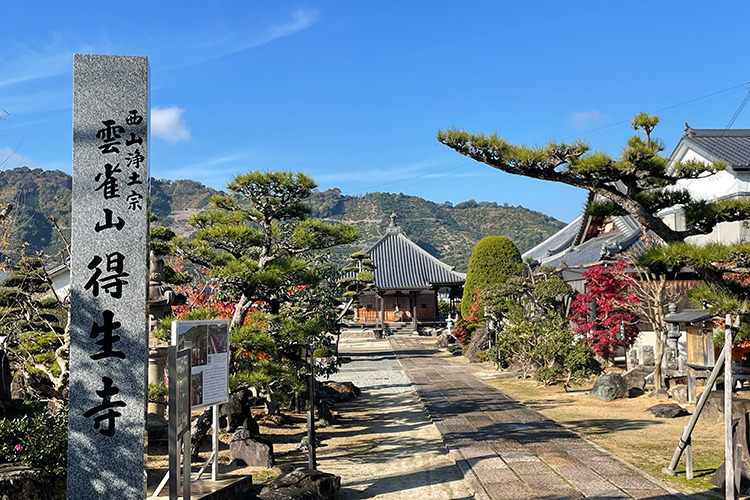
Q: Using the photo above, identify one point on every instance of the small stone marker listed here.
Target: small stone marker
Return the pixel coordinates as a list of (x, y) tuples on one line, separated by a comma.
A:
[(108, 352)]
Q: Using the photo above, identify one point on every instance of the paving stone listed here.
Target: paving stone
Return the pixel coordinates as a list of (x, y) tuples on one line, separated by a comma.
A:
[(509, 491), (530, 468), (649, 495), (515, 452), (519, 456), (633, 482)]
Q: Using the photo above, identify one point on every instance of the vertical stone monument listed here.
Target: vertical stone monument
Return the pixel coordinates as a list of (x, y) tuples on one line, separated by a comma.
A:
[(108, 353)]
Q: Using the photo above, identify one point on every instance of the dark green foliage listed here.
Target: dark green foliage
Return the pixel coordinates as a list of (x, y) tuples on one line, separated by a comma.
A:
[(263, 254), (493, 261), (357, 278), (449, 233), (33, 322), (639, 182), (42, 439), (445, 231)]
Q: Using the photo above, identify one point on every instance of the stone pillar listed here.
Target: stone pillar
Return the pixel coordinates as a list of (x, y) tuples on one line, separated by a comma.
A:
[(157, 359), (108, 334)]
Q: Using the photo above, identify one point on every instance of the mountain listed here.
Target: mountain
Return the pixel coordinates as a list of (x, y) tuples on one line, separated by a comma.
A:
[(448, 232)]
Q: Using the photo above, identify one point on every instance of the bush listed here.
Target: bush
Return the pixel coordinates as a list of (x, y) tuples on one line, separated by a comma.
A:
[(492, 261), (37, 439)]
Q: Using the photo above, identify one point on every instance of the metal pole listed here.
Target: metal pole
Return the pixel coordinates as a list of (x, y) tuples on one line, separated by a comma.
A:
[(729, 492), (215, 445), (311, 415)]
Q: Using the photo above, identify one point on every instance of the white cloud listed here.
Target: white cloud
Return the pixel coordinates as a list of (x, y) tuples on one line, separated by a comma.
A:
[(26, 63), (12, 158), (302, 19), (233, 42), (167, 124), (583, 119)]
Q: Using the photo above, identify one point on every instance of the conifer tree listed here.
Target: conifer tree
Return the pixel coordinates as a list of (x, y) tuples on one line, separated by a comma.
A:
[(641, 182), (254, 240)]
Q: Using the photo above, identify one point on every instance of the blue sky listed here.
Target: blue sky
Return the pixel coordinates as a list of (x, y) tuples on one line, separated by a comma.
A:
[(352, 93)]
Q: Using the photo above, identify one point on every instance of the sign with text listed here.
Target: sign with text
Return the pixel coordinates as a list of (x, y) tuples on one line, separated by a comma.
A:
[(108, 352), (208, 341)]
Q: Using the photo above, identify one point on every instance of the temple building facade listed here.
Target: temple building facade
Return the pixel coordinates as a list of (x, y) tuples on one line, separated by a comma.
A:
[(409, 283)]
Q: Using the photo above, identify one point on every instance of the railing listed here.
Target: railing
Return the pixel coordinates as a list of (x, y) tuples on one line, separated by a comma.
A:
[(373, 316)]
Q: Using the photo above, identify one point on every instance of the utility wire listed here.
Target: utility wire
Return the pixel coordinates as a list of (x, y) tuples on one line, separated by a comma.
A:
[(739, 110), (667, 108), (689, 101)]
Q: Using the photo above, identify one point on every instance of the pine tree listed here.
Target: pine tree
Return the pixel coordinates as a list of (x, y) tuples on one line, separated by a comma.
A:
[(642, 182)]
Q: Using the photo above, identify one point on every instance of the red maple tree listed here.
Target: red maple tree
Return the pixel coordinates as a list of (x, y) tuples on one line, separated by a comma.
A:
[(603, 316)]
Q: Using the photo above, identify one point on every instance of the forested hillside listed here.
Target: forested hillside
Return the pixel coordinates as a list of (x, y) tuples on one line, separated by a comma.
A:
[(448, 232)]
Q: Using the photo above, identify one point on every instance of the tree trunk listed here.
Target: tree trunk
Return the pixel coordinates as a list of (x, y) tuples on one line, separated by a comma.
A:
[(661, 339), (198, 431), (240, 311)]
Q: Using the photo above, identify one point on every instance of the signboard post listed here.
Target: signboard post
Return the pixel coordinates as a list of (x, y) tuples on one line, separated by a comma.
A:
[(108, 352), (179, 421), (208, 341)]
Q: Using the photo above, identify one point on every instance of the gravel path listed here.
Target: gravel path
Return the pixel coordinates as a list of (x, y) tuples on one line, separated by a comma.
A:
[(391, 449)]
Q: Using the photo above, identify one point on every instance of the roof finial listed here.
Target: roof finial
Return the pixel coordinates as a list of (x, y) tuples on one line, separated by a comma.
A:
[(393, 220), (688, 131)]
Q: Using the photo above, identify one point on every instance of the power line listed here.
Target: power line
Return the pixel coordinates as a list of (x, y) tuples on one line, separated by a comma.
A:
[(739, 109), (667, 108), (673, 106)]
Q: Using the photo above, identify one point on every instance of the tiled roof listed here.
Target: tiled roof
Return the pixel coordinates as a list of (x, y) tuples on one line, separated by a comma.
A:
[(402, 264), (730, 145), (556, 243), (593, 251)]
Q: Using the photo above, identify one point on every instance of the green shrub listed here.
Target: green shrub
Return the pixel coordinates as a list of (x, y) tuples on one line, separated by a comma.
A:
[(324, 352), (454, 348), (492, 261), (37, 439)]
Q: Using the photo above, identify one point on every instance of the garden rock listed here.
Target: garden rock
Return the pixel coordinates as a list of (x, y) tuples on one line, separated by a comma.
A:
[(480, 340), (444, 340), (668, 410), (713, 410), (344, 391), (680, 393), (659, 394), (740, 428), (237, 412), (251, 450), (609, 387), (635, 392), (302, 484), (636, 378), (17, 481)]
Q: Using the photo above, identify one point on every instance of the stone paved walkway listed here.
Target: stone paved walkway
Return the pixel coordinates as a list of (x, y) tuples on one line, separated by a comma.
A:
[(507, 451)]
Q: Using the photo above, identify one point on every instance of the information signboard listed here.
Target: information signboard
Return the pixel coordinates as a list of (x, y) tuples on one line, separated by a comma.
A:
[(208, 341)]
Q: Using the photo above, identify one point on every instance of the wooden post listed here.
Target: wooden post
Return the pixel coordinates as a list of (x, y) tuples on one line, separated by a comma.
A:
[(689, 459), (692, 390), (414, 322), (382, 311), (311, 459), (729, 472)]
